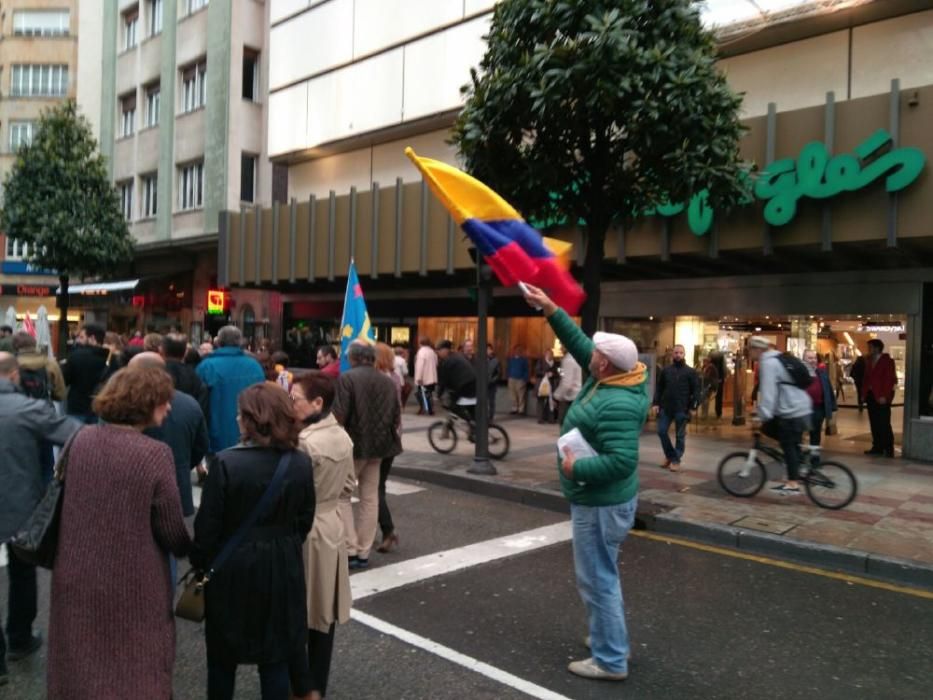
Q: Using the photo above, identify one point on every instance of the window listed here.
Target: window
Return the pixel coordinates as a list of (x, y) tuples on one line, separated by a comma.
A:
[(193, 86), (150, 194), (248, 178), (250, 75), (195, 5), (153, 94), (154, 16), (41, 22), (126, 199), (128, 114), (130, 23), (191, 186), (21, 133), (39, 81), (16, 250)]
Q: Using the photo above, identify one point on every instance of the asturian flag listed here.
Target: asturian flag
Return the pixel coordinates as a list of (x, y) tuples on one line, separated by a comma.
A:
[(515, 251), (355, 324)]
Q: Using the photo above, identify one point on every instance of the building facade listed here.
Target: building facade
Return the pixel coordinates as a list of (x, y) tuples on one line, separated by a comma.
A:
[(182, 92), (38, 67), (809, 269)]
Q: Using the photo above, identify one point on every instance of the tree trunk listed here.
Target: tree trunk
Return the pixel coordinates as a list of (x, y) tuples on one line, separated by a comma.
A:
[(593, 271), (63, 318)]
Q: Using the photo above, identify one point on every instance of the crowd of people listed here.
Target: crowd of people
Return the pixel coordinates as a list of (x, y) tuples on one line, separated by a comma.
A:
[(280, 455)]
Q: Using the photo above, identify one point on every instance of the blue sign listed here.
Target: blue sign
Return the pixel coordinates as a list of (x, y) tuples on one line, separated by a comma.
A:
[(21, 267)]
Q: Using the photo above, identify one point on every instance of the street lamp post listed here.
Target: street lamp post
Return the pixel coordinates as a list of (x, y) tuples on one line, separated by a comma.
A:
[(481, 463)]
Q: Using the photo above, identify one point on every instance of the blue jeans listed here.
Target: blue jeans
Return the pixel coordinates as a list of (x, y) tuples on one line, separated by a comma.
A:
[(672, 453), (597, 534)]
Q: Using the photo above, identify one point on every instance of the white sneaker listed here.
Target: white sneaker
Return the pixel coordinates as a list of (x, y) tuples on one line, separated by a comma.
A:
[(588, 668)]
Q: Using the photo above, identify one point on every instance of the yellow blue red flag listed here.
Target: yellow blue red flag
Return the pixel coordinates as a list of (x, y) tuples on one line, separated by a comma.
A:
[(515, 251), (355, 323)]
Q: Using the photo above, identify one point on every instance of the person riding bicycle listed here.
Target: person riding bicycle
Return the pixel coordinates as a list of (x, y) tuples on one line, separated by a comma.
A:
[(783, 408), (457, 378)]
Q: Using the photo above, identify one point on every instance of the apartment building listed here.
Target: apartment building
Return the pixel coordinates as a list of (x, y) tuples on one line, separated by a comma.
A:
[(38, 59), (182, 123)]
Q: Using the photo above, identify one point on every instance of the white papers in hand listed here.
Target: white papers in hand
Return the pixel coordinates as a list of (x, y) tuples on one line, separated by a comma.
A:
[(578, 445)]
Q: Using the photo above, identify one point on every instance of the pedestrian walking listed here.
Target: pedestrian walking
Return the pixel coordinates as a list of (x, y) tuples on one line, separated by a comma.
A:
[(25, 424), (547, 373), (255, 603), (494, 373), (426, 376), (85, 372), (367, 406), (519, 374), (226, 371), (675, 401), (327, 573), (709, 386), (174, 349), (878, 385), (571, 378), (857, 372), (719, 362), (328, 362), (603, 489), (823, 399), (111, 628), (385, 363), (401, 369)]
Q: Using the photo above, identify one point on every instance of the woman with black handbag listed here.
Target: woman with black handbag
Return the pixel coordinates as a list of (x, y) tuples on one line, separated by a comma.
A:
[(260, 496)]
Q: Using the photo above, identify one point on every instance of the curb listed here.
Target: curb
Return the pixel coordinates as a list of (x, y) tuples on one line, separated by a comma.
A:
[(652, 517)]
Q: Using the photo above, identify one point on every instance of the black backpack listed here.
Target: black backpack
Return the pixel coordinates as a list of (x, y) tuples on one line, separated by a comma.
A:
[(799, 373), (35, 383)]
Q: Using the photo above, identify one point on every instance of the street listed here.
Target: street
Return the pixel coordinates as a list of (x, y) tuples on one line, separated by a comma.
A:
[(480, 601)]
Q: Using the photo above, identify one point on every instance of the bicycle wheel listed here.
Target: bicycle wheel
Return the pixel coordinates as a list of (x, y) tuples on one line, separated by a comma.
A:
[(443, 436), (498, 442), (831, 485), (739, 477)]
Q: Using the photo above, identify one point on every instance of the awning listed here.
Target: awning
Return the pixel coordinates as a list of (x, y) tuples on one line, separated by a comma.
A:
[(100, 287)]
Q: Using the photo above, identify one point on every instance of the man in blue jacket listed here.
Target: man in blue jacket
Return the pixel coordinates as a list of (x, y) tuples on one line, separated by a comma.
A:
[(227, 371)]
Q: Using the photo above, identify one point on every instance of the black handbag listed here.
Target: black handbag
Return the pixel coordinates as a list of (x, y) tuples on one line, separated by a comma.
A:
[(36, 542), (190, 605)]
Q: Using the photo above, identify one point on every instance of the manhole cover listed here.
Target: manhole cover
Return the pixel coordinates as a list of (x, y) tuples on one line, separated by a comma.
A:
[(776, 527)]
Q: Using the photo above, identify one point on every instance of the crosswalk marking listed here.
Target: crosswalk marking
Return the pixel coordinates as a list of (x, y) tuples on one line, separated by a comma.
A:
[(467, 662), (385, 578), (393, 488)]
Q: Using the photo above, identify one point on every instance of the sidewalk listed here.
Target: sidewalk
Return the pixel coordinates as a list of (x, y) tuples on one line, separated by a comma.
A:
[(886, 532)]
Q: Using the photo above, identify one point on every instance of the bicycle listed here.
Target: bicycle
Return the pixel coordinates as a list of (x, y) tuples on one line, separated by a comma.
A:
[(829, 484), (443, 437)]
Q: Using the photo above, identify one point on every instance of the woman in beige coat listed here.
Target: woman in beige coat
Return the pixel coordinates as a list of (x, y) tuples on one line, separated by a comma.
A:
[(327, 572)]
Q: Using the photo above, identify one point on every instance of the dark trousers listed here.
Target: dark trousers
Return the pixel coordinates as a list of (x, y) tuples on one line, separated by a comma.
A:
[(719, 393), (545, 414), (21, 604), (385, 517), (492, 399), (817, 418), (673, 453), (562, 408), (46, 461), (879, 417), (273, 681), (426, 399), (858, 396), (788, 432), (320, 652)]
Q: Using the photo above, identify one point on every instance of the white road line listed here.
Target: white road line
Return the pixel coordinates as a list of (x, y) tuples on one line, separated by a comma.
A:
[(385, 578), (397, 488), (3, 561), (467, 662)]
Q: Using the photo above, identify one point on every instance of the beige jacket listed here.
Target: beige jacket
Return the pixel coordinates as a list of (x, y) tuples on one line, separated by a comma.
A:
[(37, 360), (426, 366), (327, 573)]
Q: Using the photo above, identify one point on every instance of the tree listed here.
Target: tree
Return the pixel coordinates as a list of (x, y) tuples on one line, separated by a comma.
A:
[(59, 201), (593, 111)]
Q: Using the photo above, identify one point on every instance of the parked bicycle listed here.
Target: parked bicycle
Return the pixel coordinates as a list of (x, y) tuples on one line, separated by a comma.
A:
[(828, 484), (443, 435)]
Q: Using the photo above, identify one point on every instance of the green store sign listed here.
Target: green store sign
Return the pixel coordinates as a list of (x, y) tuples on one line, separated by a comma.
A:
[(815, 175)]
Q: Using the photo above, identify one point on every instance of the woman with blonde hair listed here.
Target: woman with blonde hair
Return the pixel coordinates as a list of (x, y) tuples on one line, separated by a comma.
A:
[(385, 363), (111, 628), (325, 552)]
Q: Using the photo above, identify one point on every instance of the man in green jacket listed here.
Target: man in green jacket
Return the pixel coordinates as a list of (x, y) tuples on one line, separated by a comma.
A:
[(609, 412)]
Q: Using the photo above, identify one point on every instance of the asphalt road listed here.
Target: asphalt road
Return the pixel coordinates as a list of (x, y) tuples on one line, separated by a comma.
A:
[(505, 620)]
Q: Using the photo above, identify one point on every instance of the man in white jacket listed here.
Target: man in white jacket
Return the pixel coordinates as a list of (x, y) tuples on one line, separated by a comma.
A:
[(571, 378), (426, 376)]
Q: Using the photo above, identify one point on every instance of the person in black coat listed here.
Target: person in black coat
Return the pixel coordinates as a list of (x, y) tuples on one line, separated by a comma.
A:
[(173, 350), (86, 369), (456, 377), (676, 398), (255, 605)]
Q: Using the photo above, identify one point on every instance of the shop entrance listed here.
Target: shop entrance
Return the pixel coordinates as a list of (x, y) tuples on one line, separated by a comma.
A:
[(838, 340)]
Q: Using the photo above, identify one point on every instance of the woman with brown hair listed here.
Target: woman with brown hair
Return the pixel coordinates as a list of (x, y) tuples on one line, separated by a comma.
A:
[(326, 567), (111, 628), (255, 601), (385, 363)]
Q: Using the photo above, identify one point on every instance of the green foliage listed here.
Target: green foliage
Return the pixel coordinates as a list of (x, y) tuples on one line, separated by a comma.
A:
[(59, 200), (594, 110)]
